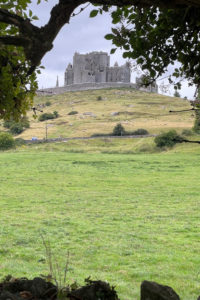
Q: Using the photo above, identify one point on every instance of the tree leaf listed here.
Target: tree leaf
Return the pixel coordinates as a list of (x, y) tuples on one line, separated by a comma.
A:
[(94, 13), (109, 36), (113, 50)]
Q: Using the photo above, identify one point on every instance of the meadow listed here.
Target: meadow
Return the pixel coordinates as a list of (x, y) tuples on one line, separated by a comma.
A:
[(122, 217)]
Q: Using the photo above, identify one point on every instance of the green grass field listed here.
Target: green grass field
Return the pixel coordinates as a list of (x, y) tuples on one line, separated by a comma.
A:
[(123, 218)]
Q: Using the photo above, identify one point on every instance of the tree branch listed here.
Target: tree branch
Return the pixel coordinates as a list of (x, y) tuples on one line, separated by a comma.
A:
[(14, 40), (10, 18), (144, 3), (38, 41)]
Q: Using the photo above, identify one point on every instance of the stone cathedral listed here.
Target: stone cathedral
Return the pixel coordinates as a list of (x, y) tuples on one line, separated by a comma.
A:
[(95, 67)]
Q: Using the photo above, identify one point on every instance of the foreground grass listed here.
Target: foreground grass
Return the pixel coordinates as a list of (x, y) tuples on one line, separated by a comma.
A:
[(123, 218)]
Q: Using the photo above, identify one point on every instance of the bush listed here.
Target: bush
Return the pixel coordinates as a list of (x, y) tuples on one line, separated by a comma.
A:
[(119, 130), (56, 114), (196, 127), (177, 94), (73, 112), (46, 116), (19, 142), (8, 124), (16, 128), (48, 103), (168, 139), (140, 131), (25, 122), (6, 141), (187, 132), (99, 98)]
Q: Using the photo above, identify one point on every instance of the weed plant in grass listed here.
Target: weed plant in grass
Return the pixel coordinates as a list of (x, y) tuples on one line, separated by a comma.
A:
[(123, 218)]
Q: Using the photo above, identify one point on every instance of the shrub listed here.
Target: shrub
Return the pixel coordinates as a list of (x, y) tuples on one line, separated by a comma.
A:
[(8, 124), (168, 139), (48, 103), (196, 127), (56, 114), (99, 98), (140, 131), (177, 94), (119, 130), (19, 142), (25, 122), (6, 141), (73, 112), (16, 128), (187, 132), (46, 116)]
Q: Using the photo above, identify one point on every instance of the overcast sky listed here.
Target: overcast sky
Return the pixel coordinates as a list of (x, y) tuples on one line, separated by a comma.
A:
[(82, 35)]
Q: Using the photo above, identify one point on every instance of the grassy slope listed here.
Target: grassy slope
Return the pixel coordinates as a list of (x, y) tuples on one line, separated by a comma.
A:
[(138, 110), (124, 218)]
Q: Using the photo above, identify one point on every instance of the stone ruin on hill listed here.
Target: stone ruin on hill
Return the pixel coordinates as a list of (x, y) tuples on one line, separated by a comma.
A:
[(95, 67), (93, 71)]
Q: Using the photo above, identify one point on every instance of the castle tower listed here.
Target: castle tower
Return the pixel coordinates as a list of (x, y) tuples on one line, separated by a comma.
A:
[(95, 67), (57, 82), (69, 75)]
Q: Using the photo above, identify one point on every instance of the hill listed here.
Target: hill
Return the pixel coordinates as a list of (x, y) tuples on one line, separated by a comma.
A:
[(100, 110)]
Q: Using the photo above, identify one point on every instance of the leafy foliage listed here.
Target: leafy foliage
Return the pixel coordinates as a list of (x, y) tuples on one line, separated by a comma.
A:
[(119, 130), (56, 114), (6, 141), (177, 94), (168, 139), (196, 127), (17, 127), (187, 132), (48, 103), (48, 116), (140, 131), (156, 38), (73, 112), (19, 142), (17, 87), (196, 105)]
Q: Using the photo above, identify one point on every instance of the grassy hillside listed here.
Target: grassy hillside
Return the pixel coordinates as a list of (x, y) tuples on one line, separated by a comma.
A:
[(135, 110)]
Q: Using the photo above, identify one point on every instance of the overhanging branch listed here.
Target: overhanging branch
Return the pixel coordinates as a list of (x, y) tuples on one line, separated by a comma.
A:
[(10, 18), (144, 3), (38, 41), (14, 40)]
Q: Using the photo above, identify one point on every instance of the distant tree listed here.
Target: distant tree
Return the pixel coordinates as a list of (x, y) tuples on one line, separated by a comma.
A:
[(56, 114), (168, 139), (154, 33), (177, 94), (119, 130)]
